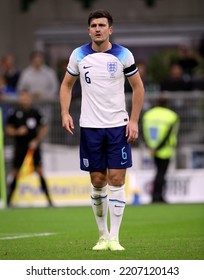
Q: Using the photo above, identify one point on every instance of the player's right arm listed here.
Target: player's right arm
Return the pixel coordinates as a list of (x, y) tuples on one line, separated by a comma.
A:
[(65, 101)]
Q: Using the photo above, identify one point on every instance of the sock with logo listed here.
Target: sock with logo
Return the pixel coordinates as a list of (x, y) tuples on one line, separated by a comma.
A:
[(116, 208), (99, 201)]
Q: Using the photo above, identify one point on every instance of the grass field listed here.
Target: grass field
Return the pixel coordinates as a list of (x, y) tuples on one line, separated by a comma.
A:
[(148, 232)]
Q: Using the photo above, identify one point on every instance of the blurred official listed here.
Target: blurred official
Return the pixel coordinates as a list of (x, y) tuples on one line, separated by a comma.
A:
[(29, 128), (160, 129)]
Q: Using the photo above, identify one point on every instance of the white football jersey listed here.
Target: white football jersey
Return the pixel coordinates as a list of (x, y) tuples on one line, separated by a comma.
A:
[(102, 77)]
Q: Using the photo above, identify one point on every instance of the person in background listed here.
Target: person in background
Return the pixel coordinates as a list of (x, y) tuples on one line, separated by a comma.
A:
[(40, 79), (5, 89), (6, 93), (187, 59), (11, 74), (198, 77), (28, 127), (42, 82), (177, 81), (107, 131), (160, 127)]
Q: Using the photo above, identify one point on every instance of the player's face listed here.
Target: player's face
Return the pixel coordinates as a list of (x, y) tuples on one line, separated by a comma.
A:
[(99, 30)]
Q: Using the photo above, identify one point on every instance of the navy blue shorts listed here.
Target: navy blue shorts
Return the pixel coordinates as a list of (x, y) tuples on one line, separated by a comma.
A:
[(102, 148)]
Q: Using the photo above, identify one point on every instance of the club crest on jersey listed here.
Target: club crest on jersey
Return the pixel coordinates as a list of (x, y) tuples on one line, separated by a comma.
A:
[(112, 68), (86, 162)]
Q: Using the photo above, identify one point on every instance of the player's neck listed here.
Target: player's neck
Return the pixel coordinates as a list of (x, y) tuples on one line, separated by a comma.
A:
[(101, 47)]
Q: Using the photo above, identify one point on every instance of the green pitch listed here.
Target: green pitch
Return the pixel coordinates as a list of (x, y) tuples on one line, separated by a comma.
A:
[(148, 232)]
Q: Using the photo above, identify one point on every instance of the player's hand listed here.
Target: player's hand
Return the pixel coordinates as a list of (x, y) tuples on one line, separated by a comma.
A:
[(67, 122), (131, 131), (21, 131)]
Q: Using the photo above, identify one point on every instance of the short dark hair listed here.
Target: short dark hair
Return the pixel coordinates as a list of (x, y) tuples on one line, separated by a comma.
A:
[(101, 14)]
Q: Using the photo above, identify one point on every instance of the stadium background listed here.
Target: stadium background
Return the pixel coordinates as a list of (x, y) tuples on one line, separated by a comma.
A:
[(147, 28)]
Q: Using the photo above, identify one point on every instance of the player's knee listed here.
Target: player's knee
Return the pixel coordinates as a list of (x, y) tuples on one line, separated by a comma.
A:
[(98, 182), (98, 179), (116, 177), (116, 180)]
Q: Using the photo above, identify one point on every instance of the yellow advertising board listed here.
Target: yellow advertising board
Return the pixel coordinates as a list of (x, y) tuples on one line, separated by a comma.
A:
[(65, 190)]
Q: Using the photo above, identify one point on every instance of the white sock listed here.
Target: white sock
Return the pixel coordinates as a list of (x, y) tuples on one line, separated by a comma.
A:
[(116, 208), (99, 202)]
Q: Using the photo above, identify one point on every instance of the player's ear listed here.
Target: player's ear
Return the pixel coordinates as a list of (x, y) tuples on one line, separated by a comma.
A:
[(110, 30), (89, 31)]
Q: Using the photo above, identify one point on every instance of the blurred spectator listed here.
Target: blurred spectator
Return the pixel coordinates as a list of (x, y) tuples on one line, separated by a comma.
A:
[(10, 73), (38, 78), (178, 80), (6, 92), (5, 89), (198, 77), (42, 82), (187, 59)]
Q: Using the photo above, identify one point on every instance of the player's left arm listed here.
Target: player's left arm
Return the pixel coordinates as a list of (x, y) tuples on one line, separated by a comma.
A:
[(137, 103)]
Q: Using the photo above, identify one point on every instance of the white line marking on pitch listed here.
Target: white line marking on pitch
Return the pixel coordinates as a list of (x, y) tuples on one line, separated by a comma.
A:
[(26, 235)]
